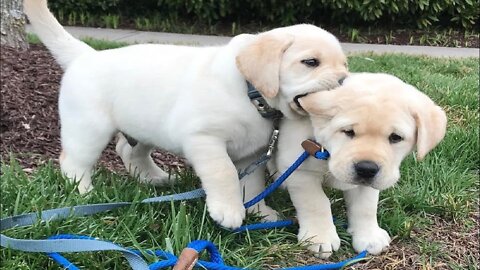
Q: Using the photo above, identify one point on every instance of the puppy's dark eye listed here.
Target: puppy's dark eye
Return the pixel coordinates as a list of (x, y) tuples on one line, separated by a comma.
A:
[(349, 132), (394, 138), (311, 62)]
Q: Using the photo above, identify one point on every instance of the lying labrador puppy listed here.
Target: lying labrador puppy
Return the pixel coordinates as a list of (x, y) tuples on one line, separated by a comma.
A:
[(188, 100), (369, 125)]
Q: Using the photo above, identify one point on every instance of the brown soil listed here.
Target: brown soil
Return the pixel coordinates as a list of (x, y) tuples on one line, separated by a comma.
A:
[(29, 128), (410, 37), (441, 245)]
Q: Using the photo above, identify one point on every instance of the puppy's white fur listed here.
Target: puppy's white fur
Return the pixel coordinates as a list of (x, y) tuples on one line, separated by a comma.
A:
[(374, 106), (189, 100)]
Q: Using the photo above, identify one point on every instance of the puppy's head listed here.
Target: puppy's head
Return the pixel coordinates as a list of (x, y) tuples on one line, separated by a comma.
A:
[(370, 123), (288, 62)]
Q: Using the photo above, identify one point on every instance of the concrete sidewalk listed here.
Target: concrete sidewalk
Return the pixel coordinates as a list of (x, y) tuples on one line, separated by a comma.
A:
[(134, 36)]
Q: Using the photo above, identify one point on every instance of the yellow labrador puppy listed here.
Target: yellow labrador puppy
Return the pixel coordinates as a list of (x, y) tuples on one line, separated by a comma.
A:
[(369, 124), (189, 100)]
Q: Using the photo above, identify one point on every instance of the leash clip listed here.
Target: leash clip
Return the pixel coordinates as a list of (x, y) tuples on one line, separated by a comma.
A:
[(273, 142)]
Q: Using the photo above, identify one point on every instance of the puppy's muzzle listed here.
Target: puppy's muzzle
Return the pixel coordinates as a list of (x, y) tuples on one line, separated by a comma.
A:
[(295, 99), (366, 171)]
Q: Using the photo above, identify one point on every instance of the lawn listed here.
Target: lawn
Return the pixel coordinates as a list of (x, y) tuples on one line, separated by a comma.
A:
[(432, 213)]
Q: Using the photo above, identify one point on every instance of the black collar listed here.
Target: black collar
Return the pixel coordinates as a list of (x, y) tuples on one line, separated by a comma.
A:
[(265, 110)]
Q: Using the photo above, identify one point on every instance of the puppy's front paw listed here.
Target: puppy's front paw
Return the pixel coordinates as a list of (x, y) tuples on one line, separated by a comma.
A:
[(226, 213), (374, 240), (322, 243)]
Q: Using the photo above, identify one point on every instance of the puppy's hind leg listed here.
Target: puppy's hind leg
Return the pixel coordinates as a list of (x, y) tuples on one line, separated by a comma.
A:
[(82, 145), (139, 163)]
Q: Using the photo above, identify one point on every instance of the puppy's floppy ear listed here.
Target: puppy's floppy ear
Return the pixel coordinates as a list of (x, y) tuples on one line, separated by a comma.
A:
[(431, 123), (323, 103), (260, 61)]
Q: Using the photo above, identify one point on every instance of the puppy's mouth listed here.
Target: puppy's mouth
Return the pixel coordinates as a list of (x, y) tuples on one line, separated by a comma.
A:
[(295, 99), (376, 183), (296, 106)]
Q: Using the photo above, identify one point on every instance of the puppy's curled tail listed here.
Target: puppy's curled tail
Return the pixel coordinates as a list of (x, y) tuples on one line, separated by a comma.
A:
[(64, 47)]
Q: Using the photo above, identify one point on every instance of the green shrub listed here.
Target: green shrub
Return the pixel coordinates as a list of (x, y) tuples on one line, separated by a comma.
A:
[(406, 13)]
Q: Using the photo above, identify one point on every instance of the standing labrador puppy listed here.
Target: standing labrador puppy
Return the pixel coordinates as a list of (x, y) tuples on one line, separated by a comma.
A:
[(369, 125), (188, 100)]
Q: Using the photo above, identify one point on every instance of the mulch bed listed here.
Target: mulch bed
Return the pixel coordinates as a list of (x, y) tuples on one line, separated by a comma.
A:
[(410, 37), (29, 126), (29, 129)]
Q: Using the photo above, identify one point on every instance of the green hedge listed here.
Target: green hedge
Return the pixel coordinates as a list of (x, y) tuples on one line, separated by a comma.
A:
[(406, 13)]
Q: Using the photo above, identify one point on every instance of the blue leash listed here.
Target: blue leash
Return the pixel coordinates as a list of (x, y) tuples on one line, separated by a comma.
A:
[(198, 246), (75, 243)]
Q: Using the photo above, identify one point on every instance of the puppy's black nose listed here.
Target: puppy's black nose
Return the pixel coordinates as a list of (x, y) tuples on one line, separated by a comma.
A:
[(366, 169), (341, 80)]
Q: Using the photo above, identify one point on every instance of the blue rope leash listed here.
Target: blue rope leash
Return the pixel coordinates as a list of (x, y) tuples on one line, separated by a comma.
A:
[(215, 263), (277, 183), (265, 225), (78, 243)]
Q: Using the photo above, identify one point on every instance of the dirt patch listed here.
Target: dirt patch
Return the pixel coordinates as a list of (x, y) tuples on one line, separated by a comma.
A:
[(29, 126), (441, 245)]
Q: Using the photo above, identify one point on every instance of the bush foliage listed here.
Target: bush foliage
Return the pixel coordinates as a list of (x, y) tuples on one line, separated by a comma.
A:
[(406, 13)]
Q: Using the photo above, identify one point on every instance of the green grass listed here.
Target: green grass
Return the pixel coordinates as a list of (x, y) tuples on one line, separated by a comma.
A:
[(102, 44), (445, 184), (99, 44)]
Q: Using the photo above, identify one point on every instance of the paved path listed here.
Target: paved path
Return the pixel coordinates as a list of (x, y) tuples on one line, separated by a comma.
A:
[(132, 36)]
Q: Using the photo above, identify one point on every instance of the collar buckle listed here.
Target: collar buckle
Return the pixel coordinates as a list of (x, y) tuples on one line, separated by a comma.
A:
[(265, 110)]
